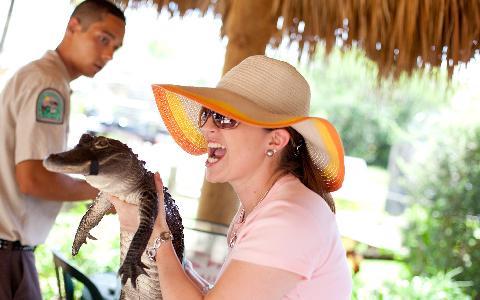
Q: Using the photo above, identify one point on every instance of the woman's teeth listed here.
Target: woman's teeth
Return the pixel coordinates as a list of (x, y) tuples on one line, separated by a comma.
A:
[(215, 152), (215, 145), (212, 160)]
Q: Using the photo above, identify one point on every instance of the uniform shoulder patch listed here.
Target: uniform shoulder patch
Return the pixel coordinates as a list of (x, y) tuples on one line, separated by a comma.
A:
[(50, 107)]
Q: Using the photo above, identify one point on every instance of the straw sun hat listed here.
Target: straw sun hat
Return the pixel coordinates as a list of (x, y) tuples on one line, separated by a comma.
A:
[(260, 91)]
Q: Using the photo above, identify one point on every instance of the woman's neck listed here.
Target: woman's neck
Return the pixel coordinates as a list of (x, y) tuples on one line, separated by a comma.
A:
[(252, 191)]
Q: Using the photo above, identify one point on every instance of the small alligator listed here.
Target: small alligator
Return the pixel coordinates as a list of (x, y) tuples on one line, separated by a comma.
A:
[(113, 168)]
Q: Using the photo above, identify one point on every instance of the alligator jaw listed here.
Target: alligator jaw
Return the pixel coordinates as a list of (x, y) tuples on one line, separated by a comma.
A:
[(58, 163)]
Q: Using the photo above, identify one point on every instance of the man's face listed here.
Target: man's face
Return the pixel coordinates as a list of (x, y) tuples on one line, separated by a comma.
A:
[(95, 46)]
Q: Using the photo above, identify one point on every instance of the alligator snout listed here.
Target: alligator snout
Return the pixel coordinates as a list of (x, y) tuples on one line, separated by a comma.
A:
[(64, 163), (51, 161)]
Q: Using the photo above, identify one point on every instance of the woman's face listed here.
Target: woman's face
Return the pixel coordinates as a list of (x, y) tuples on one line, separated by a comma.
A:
[(234, 154)]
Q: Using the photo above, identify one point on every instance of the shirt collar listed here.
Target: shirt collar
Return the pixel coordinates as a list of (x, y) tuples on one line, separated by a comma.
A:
[(53, 56)]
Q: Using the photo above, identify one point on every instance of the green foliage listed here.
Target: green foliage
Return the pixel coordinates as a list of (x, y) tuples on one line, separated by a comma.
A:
[(371, 114), (441, 286), (444, 226), (342, 204), (98, 256)]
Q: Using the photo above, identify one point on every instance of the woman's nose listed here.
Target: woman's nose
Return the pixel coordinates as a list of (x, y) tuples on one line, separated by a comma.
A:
[(209, 126)]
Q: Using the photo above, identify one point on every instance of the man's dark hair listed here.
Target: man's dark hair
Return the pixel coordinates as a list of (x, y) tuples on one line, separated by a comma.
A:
[(91, 11)]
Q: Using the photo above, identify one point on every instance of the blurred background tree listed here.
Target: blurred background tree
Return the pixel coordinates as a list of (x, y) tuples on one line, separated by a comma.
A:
[(371, 114), (443, 229)]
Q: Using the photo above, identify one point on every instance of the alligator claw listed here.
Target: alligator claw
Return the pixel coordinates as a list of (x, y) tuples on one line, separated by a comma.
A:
[(79, 241), (132, 271)]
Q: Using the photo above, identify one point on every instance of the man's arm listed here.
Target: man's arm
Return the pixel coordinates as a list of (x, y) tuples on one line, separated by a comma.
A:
[(36, 181)]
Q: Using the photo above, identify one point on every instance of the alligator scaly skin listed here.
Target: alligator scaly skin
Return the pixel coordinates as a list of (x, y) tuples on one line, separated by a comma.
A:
[(148, 287), (119, 172)]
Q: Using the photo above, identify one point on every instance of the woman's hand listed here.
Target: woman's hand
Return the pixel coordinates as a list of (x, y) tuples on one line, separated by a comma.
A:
[(161, 221), (127, 214)]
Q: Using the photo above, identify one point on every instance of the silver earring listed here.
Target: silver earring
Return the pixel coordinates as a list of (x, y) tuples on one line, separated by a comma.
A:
[(270, 152)]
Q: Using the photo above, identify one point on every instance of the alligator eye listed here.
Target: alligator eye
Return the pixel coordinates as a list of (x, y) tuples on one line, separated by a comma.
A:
[(85, 139), (100, 143)]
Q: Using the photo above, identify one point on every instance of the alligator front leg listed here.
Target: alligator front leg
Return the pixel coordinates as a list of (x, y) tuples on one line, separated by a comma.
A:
[(132, 266), (92, 217)]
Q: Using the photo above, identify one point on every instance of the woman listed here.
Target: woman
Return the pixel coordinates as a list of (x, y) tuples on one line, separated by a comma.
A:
[(282, 164)]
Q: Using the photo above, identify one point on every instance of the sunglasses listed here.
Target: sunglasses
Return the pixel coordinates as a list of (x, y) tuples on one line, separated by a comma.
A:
[(219, 120)]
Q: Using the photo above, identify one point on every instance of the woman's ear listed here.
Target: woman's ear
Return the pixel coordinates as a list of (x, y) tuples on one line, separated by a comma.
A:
[(279, 138)]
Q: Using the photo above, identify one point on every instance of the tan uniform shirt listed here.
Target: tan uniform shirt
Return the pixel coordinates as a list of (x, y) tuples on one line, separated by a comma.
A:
[(34, 113)]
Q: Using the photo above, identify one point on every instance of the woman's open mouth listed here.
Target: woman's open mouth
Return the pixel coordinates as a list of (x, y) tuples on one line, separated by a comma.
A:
[(216, 152)]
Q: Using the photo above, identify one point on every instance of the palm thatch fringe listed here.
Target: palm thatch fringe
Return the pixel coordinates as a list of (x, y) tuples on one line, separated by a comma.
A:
[(400, 35)]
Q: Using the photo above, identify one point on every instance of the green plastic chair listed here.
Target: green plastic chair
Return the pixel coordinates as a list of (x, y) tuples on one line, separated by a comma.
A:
[(91, 290)]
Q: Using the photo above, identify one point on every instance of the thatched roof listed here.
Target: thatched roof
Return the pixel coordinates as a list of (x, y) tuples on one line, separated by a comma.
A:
[(400, 35)]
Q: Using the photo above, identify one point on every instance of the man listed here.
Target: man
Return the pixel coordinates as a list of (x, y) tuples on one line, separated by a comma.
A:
[(34, 111)]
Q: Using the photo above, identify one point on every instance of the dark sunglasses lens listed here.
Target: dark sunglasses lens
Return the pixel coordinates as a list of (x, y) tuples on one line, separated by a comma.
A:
[(203, 116), (224, 122), (219, 120)]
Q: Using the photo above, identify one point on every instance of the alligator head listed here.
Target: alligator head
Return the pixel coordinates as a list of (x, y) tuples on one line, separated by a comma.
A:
[(104, 162)]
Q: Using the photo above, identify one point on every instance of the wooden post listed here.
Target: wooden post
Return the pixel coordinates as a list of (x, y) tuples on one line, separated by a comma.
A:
[(249, 26)]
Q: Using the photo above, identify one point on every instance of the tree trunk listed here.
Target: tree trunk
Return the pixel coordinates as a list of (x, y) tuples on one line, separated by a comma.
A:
[(218, 202)]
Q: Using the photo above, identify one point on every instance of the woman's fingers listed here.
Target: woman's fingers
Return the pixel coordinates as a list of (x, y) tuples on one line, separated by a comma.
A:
[(119, 203), (159, 187), (158, 182), (114, 200), (111, 210), (127, 214)]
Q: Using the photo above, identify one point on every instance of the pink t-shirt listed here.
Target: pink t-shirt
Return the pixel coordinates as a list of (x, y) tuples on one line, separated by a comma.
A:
[(293, 229)]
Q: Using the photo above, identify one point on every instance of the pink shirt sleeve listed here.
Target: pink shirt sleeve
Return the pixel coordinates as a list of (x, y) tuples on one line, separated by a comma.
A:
[(295, 236)]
